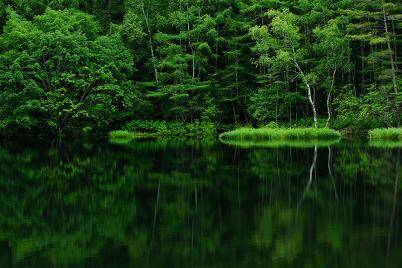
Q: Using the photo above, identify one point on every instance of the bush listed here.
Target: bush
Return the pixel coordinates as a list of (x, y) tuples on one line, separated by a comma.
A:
[(367, 112), (272, 125), (146, 126), (169, 129)]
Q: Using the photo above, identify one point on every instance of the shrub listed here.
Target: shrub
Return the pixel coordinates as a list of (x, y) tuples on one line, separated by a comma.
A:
[(272, 125), (367, 112), (169, 129)]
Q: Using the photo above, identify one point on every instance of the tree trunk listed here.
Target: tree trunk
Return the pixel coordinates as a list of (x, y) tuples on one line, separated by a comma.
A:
[(151, 46), (310, 97), (395, 45), (391, 57), (190, 44), (393, 69), (310, 180), (329, 163), (329, 99)]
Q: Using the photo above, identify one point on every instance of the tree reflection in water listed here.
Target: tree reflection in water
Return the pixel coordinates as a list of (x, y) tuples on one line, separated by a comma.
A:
[(161, 203)]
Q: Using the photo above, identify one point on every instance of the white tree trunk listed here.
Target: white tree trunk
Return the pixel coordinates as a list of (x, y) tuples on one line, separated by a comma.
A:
[(329, 99), (310, 96)]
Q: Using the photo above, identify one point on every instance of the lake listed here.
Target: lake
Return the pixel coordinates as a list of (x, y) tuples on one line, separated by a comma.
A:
[(198, 204)]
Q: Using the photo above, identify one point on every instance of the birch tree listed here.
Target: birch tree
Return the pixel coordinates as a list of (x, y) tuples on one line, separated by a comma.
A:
[(279, 47), (334, 50)]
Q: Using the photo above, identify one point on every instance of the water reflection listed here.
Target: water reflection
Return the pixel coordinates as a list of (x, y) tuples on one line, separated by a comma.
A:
[(198, 204)]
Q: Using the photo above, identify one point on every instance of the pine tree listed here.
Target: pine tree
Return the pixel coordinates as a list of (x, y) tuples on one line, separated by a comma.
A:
[(371, 26)]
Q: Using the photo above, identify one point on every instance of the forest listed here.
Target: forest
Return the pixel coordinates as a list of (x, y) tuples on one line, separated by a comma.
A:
[(81, 67)]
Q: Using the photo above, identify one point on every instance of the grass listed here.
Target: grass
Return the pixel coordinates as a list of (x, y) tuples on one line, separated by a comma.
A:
[(281, 134), (393, 134), (281, 143), (124, 136)]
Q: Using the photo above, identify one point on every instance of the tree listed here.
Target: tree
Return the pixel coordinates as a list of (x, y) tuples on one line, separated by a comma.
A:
[(3, 15), (57, 74), (233, 73), (226, 61), (279, 48), (184, 51), (334, 50), (370, 25)]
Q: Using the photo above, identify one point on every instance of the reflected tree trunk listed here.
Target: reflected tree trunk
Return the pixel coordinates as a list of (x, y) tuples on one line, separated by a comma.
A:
[(394, 204), (310, 180), (155, 218), (330, 171)]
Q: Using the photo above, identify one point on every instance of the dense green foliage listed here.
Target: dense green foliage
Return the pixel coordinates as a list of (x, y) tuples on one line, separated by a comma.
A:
[(92, 66), (173, 129), (140, 129)]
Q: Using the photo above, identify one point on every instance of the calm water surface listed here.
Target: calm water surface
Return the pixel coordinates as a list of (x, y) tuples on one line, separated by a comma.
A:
[(198, 204)]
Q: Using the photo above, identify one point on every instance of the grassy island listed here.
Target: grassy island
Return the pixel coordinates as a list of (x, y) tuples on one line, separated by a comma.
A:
[(281, 134), (390, 134), (124, 136), (280, 143)]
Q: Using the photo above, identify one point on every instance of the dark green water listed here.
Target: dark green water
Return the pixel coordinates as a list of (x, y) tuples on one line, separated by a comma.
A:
[(175, 204)]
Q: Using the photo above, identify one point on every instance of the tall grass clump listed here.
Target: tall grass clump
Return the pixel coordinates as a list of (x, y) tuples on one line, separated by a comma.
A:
[(121, 134), (124, 136), (285, 134), (280, 143), (386, 134)]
